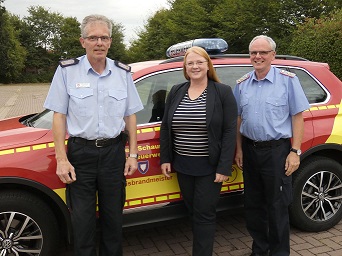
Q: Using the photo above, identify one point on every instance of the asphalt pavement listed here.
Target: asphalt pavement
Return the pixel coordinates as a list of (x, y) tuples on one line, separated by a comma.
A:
[(174, 238)]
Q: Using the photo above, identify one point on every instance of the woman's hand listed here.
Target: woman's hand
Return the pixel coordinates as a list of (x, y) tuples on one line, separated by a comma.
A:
[(166, 169)]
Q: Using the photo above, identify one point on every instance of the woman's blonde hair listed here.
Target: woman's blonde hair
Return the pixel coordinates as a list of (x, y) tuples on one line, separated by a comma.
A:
[(200, 51)]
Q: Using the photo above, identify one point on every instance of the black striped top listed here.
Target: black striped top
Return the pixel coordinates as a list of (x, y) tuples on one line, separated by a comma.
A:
[(189, 127)]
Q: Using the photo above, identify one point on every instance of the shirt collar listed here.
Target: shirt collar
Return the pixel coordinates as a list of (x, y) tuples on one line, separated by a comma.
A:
[(269, 76), (89, 68)]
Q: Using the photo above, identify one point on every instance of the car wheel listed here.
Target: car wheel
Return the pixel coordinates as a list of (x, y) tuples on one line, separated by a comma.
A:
[(28, 227), (317, 195)]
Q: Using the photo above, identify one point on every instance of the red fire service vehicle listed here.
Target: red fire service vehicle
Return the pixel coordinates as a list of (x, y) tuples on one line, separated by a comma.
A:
[(33, 213)]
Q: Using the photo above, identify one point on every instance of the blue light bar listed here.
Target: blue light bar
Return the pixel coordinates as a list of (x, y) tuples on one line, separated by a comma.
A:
[(211, 45)]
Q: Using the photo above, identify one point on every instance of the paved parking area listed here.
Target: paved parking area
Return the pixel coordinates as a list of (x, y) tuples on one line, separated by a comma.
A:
[(174, 238), (232, 239), (21, 99)]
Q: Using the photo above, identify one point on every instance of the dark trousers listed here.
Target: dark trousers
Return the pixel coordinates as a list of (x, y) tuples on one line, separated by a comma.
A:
[(268, 193), (99, 172), (201, 196)]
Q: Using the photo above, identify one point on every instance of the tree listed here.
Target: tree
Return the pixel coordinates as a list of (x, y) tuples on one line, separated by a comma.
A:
[(236, 21), (117, 50), (40, 34), (320, 40), (69, 45), (12, 55), (153, 41), (45, 26)]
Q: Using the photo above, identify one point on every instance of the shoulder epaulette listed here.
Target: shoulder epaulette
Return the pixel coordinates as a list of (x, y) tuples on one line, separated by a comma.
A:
[(122, 66), (241, 79), (69, 62), (287, 73)]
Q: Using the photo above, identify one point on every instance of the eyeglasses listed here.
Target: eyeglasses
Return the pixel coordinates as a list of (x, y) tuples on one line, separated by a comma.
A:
[(261, 53), (104, 39), (198, 63)]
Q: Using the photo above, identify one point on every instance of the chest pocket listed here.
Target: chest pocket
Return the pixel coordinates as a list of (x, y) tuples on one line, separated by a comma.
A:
[(117, 102), (80, 101), (276, 108)]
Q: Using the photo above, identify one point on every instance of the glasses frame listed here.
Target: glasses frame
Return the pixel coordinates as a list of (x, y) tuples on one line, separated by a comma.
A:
[(261, 53), (94, 39), (198, 63)]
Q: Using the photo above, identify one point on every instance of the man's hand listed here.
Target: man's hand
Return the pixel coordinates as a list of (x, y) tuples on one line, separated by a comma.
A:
[(292, 163), (65, 171), (131, 166), (238, 158)]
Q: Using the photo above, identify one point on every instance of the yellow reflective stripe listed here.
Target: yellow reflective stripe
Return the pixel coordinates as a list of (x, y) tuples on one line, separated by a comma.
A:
[(148, 200), (175, 196), (163, 198), (40, 146), (28, 148), (6, 152), (147, 130), (315, 108), (23, 149)]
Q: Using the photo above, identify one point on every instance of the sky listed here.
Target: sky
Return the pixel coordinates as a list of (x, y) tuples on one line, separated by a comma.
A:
[(132, 14)]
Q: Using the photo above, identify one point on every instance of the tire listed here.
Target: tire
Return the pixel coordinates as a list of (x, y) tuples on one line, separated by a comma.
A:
[(28, 226), (317, 195)]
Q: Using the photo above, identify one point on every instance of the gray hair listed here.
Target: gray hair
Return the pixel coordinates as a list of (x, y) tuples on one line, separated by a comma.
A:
[(92, 19), (267, 38)]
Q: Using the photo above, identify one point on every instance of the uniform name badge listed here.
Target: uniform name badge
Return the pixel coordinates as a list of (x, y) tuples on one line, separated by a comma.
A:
[(82, 85)]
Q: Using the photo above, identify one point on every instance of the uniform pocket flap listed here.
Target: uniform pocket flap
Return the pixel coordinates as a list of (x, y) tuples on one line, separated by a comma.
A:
[(117, 94), (276, 101), (81, 93)]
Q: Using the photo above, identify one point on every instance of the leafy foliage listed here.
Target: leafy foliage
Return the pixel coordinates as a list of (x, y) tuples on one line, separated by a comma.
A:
[(69, 45), (12, 55), (32, 46), (320, 39), (117, 49)]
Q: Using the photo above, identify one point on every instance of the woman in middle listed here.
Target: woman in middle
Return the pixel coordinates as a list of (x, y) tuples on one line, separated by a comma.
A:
[(197, 140)]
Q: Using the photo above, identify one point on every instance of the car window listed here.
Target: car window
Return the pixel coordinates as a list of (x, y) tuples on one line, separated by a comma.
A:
[(41, 120), (229, 74), (313, 91), (153, 90)]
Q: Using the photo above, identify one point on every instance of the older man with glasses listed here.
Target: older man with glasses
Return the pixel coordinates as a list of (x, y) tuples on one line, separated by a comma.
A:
[(94, 99), (270, 105)]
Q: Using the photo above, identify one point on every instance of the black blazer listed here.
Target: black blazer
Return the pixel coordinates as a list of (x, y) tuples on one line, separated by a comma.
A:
[(221, 118)]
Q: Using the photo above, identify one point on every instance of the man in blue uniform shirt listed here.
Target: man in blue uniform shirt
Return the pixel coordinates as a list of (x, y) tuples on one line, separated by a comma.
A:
[(270, 105), (94, 99)]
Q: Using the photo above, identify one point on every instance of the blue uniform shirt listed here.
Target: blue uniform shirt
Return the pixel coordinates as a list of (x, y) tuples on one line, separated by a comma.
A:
[(266, 107), (94, 104)]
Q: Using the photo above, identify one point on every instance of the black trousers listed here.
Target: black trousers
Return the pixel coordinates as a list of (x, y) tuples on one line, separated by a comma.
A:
[(268, 193), (99, 174), (201, 196)]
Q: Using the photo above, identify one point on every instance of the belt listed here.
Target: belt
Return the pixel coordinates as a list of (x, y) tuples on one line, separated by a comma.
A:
[(267, 143), (98, 142)]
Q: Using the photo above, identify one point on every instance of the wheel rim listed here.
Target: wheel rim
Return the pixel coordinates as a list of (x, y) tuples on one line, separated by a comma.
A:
[(19, 235), (322, 196)]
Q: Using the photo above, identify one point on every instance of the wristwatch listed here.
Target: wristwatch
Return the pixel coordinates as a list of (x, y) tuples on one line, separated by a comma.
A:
[(297, 151), (133, 156)]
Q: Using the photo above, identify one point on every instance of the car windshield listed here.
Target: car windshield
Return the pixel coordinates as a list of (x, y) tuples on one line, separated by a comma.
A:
[(41, 120)]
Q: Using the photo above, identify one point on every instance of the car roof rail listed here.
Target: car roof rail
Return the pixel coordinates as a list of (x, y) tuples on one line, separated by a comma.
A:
[(238, 55)]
